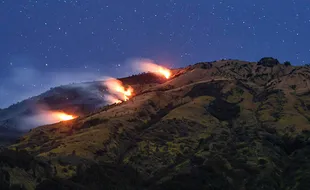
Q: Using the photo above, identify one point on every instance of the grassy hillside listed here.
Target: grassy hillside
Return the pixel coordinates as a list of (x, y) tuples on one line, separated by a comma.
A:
[(214, 125)]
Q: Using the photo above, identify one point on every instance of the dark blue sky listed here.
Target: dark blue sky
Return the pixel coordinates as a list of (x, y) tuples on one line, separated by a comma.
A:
[(44, 43)]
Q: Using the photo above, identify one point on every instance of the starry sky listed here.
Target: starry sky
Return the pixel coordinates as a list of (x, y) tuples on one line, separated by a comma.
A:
[(45, 43)]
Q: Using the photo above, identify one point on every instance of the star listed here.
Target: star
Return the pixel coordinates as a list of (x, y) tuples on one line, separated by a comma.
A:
[(99, 34)]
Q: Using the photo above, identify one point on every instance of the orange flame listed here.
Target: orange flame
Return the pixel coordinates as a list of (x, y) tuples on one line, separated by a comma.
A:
[(126, 93), (116, 87), (164, 71), (61, 116), (148, 66)]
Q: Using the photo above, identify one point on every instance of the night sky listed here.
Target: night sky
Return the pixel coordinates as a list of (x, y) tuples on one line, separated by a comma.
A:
[(44, 43)]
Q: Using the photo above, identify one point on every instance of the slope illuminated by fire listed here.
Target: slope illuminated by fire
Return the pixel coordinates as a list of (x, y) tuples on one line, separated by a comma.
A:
[(149, 66), (112, 100), (120, 93)]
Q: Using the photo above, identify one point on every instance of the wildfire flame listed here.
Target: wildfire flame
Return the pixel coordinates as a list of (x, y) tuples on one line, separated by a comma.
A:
[(65, 117), (164, 71), (61, 116), (126, 93), (149, 66), (116, 87)]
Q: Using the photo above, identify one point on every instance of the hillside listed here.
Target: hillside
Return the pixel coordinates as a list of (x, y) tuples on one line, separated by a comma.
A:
[(228, 124), (79, 99)]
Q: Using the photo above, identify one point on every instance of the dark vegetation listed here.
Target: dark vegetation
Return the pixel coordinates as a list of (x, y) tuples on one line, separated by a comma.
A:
[(287, 63), (268, 62), (235, 161), (205, 65), (223, 110), (93, 122), (206, 89), (142, 78)]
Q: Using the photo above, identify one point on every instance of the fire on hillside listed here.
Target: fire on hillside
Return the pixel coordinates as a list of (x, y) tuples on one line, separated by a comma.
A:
[(149, 66), (119, 93), (64, 105), (62, 116)]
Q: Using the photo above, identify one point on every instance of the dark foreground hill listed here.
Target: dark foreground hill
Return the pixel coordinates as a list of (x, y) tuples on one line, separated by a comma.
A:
[(222, 125)]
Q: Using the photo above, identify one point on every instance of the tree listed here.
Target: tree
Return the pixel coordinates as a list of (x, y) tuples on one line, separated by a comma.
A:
[(287, 63), (268, 62)]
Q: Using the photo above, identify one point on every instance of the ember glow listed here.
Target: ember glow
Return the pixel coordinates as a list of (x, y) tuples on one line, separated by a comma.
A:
[(117, 88), (61, 116), (149, 66)]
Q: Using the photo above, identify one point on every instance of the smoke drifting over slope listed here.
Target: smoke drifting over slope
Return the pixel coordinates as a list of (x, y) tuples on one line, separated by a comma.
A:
[(23, 83), (71, 100), (148, 65), (43, 117), (118, 92)]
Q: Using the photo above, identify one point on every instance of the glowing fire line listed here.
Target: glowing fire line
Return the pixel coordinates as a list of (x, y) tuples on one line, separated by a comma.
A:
[(149, 66), (116, 88), (118, 93)]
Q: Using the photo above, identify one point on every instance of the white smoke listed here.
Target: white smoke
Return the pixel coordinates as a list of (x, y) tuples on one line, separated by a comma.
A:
[(43, 117), (23, 83)]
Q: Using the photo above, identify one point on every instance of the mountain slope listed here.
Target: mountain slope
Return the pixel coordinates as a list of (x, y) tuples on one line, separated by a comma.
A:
[(77, 99), (222, 125)]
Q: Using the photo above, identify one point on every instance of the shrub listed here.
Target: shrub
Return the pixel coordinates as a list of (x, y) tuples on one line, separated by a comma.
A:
[(293, 87), (268, 62), (287, 63)]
